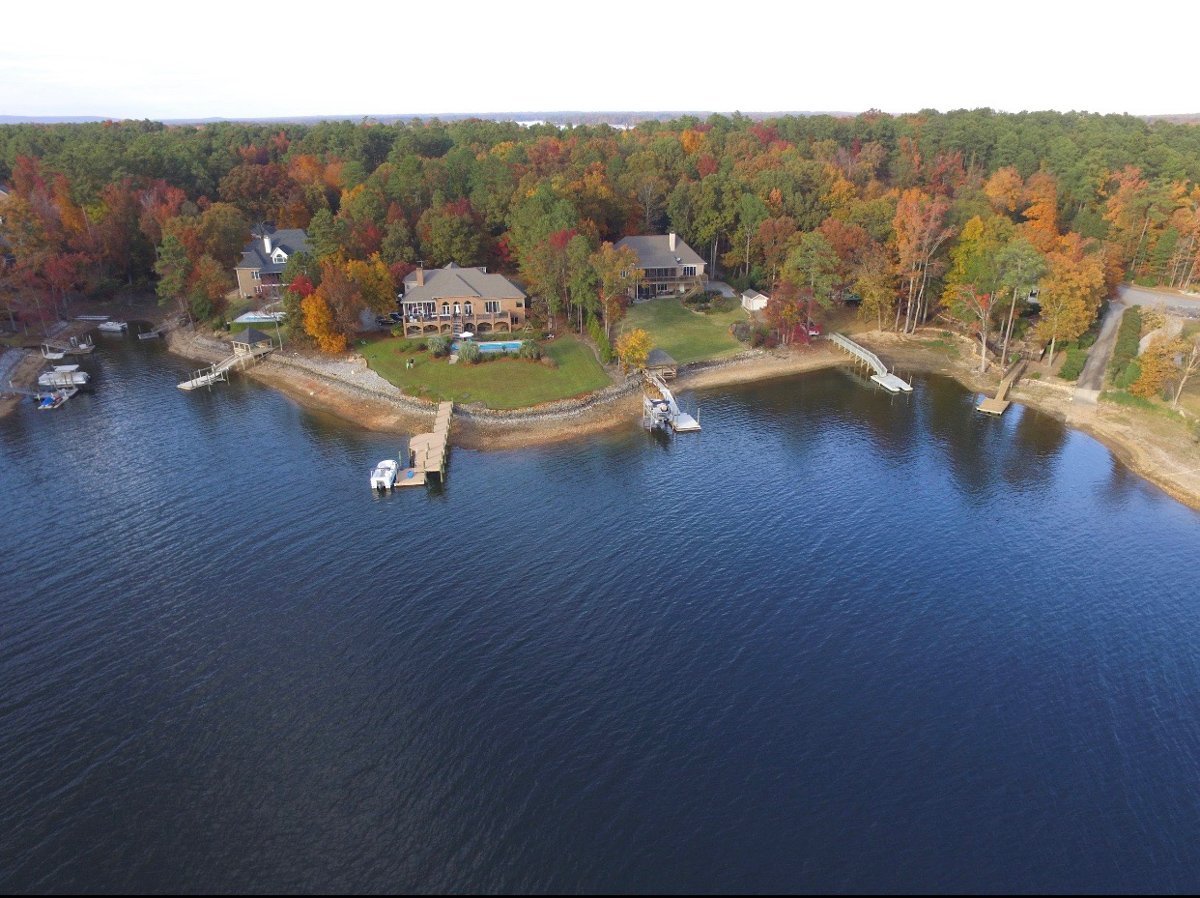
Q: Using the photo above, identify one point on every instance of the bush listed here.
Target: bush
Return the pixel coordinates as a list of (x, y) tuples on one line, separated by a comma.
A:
[(438, 346), (600, 338), (1128, 376), (1073, 366), (1129, 333), (397, 330), (740, 330), (469, 352), (530, 350), (721, 303)]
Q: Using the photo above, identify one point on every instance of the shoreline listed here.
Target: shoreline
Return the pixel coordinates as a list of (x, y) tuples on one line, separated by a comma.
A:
[(349, 390)]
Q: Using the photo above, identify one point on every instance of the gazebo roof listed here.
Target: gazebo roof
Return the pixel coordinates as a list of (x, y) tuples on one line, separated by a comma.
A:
[(657, 357), (249, 336)]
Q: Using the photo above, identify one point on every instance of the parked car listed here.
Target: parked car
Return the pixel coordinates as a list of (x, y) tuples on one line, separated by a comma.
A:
[(384, 322), (814, 329), (396, 317)]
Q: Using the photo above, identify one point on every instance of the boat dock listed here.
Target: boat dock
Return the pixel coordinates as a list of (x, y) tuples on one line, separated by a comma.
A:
[(660, 410), (429, 453), (205, 377), (248, 348), (998, 405), (861, 354)]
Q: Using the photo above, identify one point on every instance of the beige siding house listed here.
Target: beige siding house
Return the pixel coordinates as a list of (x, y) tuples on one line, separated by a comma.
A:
[(451, 300)]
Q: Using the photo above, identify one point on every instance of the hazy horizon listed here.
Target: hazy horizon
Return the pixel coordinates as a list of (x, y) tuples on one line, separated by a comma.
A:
[(489, 61)]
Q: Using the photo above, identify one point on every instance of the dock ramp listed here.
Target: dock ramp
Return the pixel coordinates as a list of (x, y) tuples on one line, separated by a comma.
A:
[(889, 382)]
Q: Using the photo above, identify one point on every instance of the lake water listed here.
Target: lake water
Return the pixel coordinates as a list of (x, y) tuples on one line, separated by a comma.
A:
[(838, 641)]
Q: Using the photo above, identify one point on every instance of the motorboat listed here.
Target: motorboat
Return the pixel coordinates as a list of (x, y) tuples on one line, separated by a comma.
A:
[(113, 327), (55, 398), (383, 477), (81, 347), (63, 376)]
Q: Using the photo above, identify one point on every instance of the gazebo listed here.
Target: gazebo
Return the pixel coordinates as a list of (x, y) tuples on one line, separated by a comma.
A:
[(250, 341), (658, 362)]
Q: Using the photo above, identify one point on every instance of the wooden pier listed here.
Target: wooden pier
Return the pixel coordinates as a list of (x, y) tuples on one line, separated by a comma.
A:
[(429, 453), (861, 354), (998, 405)]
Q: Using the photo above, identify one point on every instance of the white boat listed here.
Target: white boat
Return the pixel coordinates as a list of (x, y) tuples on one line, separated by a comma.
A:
[(383, 477), (55, 398), (64, 376), (49, 352), (113, 327)]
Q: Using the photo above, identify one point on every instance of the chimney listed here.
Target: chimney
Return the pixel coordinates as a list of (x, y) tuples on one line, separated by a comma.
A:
[(267, 243), (420, 277), (671, 241)]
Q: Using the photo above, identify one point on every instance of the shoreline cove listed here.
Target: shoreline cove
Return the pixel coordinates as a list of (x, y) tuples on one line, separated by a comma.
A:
[(351, 391)]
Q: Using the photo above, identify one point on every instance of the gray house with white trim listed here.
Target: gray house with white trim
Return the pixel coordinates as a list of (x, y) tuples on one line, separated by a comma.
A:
[(668, 264)]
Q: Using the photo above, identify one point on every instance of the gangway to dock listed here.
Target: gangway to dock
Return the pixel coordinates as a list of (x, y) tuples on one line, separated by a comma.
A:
[(429, 453), (998, 405), (206, 377), (659, 408), (888, 381)]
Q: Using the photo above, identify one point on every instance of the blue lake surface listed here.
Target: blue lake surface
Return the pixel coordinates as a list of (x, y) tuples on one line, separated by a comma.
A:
[(839, 641)]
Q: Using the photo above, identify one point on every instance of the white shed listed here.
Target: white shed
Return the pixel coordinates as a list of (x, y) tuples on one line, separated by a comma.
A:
[(753, 301)]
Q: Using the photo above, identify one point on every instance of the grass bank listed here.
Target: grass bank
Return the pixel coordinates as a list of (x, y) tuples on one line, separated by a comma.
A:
[(504, 383), (688, 336)]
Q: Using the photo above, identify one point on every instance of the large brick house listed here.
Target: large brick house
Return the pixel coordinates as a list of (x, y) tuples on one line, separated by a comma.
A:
[(453, 299), (668, 264), (260, 273)]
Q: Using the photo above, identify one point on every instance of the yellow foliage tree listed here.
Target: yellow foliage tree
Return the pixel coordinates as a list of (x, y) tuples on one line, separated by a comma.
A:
[(376, 287), (319, 324), (1157, 368), (1004, 189), (1070, 294), (633, 347)]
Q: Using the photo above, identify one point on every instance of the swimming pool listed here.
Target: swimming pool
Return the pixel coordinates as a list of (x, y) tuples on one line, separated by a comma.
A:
[(495, 346)]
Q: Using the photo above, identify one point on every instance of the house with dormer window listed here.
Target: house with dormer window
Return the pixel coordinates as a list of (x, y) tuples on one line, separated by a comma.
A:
[(260, 273)]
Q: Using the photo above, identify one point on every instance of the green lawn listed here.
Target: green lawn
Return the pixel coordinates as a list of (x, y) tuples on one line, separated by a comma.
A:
[(686, 335), (503, 383)]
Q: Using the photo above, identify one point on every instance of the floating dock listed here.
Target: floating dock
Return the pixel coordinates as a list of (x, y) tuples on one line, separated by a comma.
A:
[(889, 382), (998, 405), (429, 453)]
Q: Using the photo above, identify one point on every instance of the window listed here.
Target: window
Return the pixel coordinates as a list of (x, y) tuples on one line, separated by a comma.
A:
[(467, 309), (256, 275), (491, 305), (445, 308), (689, 271)]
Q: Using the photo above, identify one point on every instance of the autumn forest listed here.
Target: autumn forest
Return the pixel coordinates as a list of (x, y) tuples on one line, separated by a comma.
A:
[(914, 216)]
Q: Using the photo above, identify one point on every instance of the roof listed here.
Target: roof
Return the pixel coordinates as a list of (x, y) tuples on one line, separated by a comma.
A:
[(654, 251), (754, 294), (249, 336), (290, 240), (656, 358), (453, 282)]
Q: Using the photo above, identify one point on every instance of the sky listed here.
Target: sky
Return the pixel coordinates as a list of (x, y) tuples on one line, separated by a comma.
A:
[(247, 59)]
